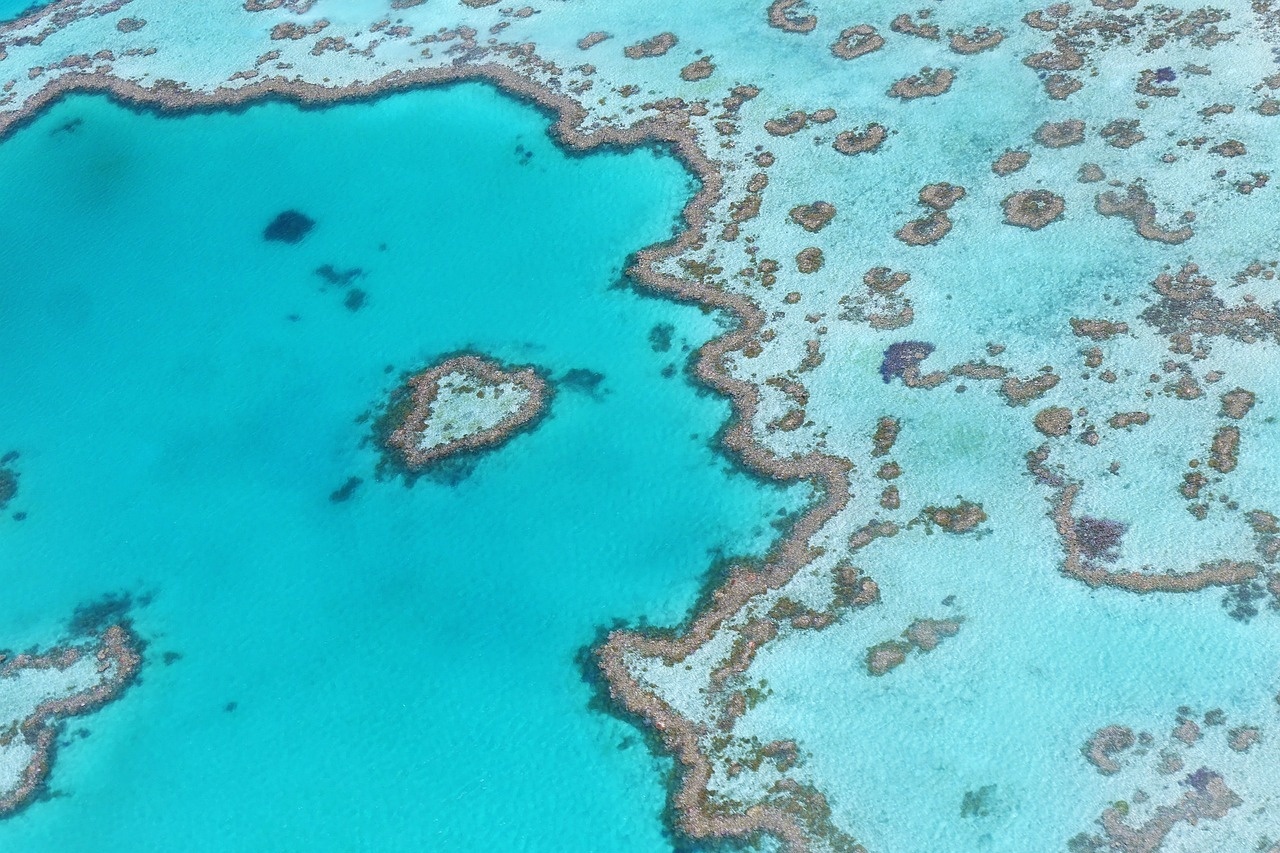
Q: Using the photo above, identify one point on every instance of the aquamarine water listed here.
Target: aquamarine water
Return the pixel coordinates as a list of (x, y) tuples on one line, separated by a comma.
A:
[(10, 9), (185, 397), (401, 671)]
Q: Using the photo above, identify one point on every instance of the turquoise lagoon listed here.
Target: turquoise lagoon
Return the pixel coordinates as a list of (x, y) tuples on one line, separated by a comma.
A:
[(10, 9), (397, 671)]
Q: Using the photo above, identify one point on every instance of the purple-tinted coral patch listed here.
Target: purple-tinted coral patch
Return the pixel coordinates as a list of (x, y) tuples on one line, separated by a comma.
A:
[(1166, 75), (1200, 779), (900, 357), (1100, 538)]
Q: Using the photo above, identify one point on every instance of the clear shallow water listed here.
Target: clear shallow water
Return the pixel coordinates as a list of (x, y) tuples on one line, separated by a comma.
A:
[(10, 9), (403, 664)]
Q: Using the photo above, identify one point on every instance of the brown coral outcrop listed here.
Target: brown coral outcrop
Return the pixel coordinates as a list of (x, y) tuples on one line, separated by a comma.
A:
[(857, 41), (851, 142), (929, 83), (1033, 209)]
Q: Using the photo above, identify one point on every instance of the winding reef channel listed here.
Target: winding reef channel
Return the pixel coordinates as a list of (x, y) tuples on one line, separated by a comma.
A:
[(1071, 208)]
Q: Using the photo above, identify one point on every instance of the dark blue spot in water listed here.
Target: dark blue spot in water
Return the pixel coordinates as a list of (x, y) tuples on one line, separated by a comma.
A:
[(899, 357), (355, 299), (289, 227), (584, 381), (346, 490), (979, 803), (1166, 75), (94, 616), (335, 276), (1200, 779), (660, 337), (1240, 600)]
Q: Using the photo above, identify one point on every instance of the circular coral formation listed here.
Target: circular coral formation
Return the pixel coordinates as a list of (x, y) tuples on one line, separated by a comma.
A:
[(1230, 148), (929, 83), (850, 142), (813, 217), (857, 41), (1091, 173), (885, 280), (886, 656), (1033, 209), (941, 196), (1054, 421), (1149, 84), (809, 260), (1011, 161), (782, 16), (905, 25), (1060, 86), (1122, 133), (410, 414), (1060, 134), (982, 38), (792, 122), (1105, 744), (698, 70), (1236, 403), (925, 231)]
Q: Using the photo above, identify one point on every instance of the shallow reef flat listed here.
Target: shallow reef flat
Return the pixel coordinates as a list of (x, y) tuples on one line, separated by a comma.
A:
[(40, 690), (1003, 283), (465, 403)]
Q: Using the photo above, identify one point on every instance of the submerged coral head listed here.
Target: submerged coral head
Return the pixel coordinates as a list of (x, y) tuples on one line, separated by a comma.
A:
[(1100, 538), (289, 227), (902, 356), (1200, 779)]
